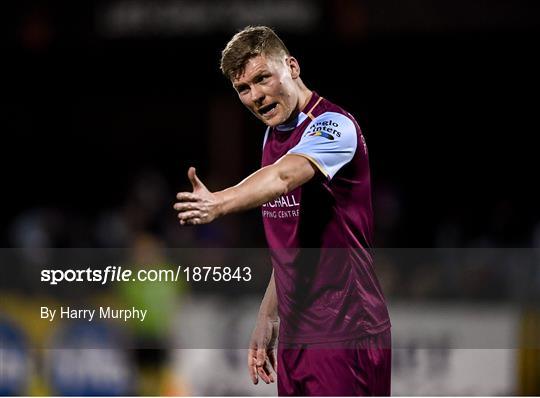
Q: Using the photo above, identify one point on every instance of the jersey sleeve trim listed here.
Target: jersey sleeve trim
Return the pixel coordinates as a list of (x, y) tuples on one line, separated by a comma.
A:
[(314, 162)]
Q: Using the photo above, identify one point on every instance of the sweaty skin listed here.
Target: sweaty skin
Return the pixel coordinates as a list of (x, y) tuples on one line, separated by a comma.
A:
[(271, 88)]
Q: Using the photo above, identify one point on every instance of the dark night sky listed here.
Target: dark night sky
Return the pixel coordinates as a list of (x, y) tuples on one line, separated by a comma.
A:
[(448, 110)]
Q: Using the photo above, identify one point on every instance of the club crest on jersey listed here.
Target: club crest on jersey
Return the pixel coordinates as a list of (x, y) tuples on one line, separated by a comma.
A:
[(321, 134)]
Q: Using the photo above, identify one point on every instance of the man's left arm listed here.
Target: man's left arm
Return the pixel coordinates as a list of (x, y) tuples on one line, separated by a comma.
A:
[(202, 206)]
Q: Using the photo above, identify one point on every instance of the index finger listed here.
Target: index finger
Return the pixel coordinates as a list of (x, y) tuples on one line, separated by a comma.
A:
[(188, 197), (252, 365)]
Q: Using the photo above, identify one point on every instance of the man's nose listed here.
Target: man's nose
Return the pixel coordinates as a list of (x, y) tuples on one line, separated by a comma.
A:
[(257, 95)]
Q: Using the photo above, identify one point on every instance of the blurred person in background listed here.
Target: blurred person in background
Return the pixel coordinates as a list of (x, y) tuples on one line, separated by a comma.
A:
[(314, 189), (153, 338)]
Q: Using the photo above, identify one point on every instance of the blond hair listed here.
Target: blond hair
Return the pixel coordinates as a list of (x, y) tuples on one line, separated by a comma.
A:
[(246, 44)]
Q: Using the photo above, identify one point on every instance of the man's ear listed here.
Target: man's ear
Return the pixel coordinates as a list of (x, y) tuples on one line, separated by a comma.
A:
[(294, 67)]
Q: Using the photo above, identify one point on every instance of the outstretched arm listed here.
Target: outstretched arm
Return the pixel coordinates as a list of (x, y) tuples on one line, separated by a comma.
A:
[(202, 206)]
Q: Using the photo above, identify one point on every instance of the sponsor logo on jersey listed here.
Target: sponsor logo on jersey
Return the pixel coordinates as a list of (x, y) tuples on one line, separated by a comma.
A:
[(283, 201), (327, 129), (321, 134)]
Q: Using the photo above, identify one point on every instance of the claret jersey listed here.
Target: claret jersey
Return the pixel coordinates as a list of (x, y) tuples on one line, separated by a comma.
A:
[(320, 234)]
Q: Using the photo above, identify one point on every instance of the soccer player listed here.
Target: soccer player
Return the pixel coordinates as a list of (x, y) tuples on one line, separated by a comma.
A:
[(323, 299)]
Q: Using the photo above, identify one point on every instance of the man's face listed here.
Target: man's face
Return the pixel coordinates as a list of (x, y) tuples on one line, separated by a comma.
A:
[(267, 88)]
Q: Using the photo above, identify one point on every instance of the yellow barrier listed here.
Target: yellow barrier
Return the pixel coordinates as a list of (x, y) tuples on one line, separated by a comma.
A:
[(529, 354)]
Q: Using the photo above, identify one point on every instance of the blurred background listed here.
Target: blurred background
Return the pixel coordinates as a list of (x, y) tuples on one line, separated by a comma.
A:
[(107, 103)]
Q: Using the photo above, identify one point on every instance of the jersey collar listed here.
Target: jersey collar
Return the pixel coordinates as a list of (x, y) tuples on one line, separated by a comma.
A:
[(293, 123)]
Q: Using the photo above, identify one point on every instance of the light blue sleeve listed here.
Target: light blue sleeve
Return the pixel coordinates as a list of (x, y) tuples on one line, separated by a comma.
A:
[(329, 141)]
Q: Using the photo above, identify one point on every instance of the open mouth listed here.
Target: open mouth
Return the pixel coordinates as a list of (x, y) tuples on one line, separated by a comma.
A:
[(268, 110)]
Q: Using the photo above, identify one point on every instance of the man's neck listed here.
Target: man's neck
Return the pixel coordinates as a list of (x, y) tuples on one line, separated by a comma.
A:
[(303, 99)]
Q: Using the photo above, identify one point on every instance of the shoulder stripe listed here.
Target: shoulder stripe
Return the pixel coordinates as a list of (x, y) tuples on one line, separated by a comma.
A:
[(310, 115), (265, 136)]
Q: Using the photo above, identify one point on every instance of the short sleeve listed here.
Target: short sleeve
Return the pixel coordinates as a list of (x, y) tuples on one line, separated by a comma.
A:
[(329, 142)]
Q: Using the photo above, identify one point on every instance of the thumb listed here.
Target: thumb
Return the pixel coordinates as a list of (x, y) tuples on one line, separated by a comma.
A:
[(195, 182)]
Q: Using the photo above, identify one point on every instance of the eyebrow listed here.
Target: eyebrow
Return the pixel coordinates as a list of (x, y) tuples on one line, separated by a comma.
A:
[(258, 75)]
